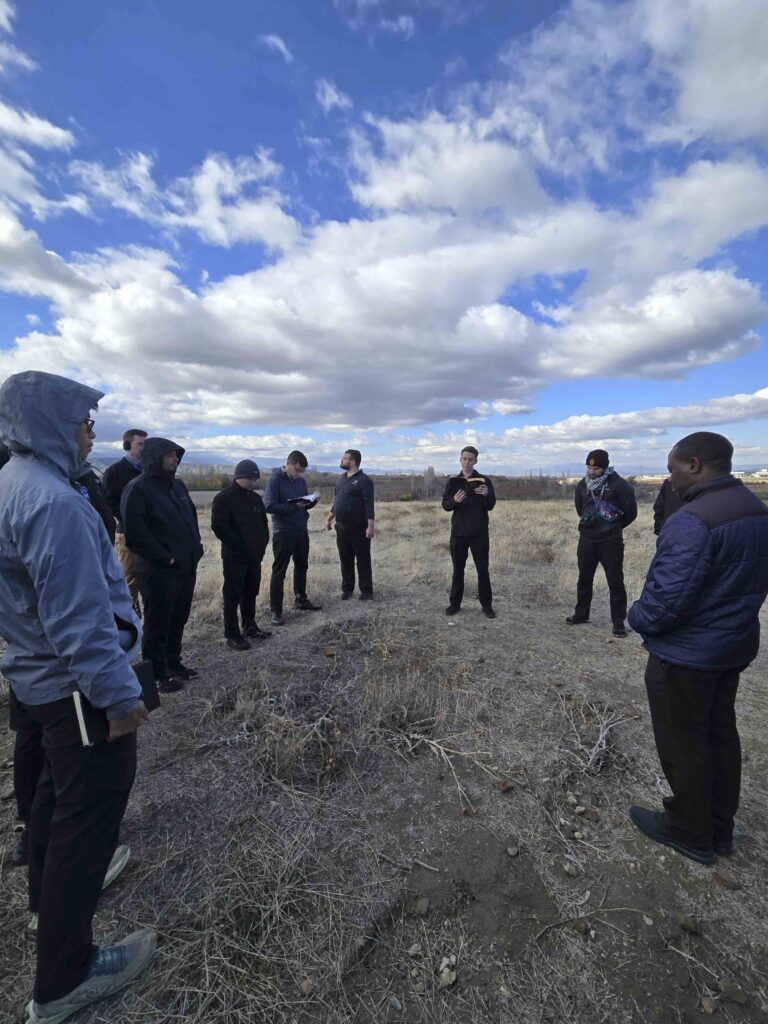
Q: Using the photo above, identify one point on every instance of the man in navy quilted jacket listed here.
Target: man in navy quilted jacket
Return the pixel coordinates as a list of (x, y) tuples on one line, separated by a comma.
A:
[(698, 616)]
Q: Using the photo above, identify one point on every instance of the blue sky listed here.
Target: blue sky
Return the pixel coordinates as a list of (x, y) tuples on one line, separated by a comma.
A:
[(399, 225)]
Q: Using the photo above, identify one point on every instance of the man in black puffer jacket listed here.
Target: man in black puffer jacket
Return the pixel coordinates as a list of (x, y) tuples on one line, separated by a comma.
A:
[(160, 523), (470, 497), (606, 505), (239, 520)]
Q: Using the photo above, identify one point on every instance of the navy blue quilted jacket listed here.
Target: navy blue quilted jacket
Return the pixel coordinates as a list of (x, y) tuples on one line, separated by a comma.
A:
[(708, 580)]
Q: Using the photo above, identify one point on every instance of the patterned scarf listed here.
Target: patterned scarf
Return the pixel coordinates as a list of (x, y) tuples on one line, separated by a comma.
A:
[(604, 509)]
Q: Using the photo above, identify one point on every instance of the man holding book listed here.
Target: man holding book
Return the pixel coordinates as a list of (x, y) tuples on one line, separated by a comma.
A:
[(470, 497)]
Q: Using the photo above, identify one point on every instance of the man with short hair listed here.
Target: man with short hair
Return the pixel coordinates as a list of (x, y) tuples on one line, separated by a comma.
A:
[(239, 521), (470, 497), (284, 500), (353, 510), (698, 615), (606, 505), (116, 479), (71, 633), (160, 523)]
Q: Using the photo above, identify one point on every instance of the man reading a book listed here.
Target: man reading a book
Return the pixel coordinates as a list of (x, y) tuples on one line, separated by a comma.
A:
[(470, 497)]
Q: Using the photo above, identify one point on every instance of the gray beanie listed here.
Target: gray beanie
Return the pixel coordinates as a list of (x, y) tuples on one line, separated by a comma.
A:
[(247, 469)]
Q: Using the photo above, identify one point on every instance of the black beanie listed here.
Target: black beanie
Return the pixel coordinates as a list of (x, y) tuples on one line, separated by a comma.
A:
[(247, 469), (598, 458)]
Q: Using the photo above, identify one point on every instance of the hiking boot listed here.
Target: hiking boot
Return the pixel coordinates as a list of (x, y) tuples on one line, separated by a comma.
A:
[(303, 604), (489, 613), (120, 858), (170, 685), (112, 968), (654, 825), (366, 596), (453, 609), (277, 619), (253, 632), (182, 672), (19, 855), (619, 630), (573, 621), (238, 643)]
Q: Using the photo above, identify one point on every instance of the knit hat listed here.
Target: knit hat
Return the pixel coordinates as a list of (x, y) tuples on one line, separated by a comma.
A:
[(598, 458), (247, 469)]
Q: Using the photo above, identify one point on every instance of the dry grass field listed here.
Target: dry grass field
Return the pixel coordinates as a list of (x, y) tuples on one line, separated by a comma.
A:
[(376, 815)]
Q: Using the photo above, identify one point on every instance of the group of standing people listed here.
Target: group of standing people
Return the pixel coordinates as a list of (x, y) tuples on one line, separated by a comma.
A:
[(71, 615)]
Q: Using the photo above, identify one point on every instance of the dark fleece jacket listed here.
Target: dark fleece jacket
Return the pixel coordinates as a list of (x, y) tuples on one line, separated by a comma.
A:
[(158, 515)]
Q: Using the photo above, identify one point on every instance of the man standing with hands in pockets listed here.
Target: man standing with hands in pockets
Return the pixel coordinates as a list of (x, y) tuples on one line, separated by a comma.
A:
[(354, 514), (470, 497)]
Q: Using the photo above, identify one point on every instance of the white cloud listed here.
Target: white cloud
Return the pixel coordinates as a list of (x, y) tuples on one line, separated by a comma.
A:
[(12, 57), (32, 130), (403, 25), (7, 14), (330, 97), (278, 45), (224, 201)]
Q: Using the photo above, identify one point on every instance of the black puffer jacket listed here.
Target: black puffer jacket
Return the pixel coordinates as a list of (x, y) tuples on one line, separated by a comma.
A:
[(619, 493), (158, 515), (239, 520)]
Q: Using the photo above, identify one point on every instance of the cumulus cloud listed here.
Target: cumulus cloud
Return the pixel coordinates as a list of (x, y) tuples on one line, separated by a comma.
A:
[(278, 45), (330, 97)]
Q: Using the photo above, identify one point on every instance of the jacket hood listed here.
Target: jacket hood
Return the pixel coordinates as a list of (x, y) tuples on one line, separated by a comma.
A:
[(41, 414), (154, 450)]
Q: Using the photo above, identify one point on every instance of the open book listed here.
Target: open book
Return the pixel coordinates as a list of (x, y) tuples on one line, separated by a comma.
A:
[(311, 498)]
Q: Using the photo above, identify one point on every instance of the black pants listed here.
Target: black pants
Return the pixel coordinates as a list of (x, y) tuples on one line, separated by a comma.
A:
[(354, 546), (167, 598), (287, 546), (73, 832), (610, 554), (694, 724), (480, 548), (241, 588), (28, 755)]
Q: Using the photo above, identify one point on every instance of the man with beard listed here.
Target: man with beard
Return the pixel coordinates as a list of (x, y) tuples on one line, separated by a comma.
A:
[(160, 523), (698, 616), (606, 505), (353, 510)]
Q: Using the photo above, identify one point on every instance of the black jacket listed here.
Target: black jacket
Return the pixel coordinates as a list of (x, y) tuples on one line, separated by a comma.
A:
[(619, 493), (470, 517), (116, 479), (239, 520), (89, 479), (353, 500), (667, 502), (159, 517)]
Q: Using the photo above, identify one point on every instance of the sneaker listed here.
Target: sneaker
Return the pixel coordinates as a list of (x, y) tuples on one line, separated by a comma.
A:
[(120, 858), (238, 643), (453, 609), (654, 825), (182, 672), (573, 621), (346, 595), (366, 596), (619, 631), (303, 604), (253, 632), (112, 968), (489, 613), (19, 855), (170, 685), (277, 619)]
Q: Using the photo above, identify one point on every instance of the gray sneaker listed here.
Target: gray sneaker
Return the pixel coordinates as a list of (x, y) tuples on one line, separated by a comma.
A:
[(120, 858), (111, 969)]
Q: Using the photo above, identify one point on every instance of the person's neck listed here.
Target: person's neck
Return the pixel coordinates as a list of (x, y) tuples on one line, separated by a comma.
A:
[(351, 472), (467, 473)]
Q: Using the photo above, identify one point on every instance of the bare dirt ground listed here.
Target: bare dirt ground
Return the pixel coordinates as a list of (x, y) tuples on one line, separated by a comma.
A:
[(383, 814)]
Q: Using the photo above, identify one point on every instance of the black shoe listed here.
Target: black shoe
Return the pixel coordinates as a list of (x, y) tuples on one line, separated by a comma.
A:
[(182, 672), (724, 847), (19, 855), (303, 604), (489, 613), (277, 619), (366, 596), (654, 825), (619, 631), (171, 685), (573, 621), (346, 595), (238, 643), (252, 632), (453, 609)]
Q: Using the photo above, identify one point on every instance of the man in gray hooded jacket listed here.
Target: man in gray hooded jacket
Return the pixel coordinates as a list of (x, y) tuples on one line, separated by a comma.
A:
[(70, 629)]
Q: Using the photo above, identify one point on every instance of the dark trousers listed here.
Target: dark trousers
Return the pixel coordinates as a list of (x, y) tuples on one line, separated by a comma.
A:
[(167, 598), (28, 755), (354, 546), (610, 554), (480, 548), (287, 546), (73, 832), (241, 587), (694, 725)]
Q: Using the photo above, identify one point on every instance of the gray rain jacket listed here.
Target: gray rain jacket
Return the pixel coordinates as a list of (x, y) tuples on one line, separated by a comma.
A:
[(62, 589)]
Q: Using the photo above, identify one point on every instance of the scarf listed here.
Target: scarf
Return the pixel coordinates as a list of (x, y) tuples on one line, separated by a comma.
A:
[(604, 509)]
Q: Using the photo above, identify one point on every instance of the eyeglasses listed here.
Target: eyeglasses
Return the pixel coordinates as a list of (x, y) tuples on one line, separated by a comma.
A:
[(89, 425)]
